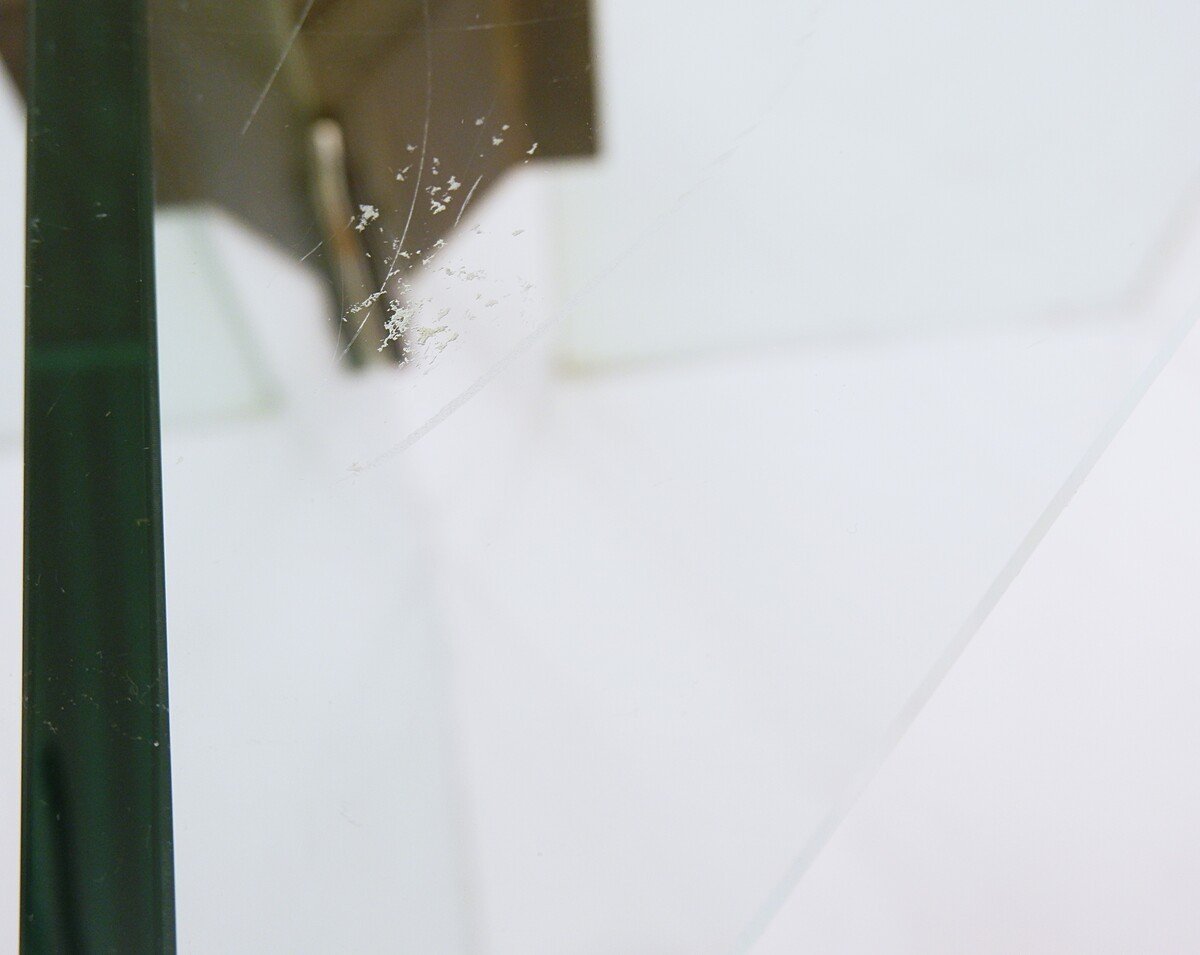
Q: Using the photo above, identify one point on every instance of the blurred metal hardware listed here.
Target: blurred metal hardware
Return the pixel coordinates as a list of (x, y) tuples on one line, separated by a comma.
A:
[(469, 88)]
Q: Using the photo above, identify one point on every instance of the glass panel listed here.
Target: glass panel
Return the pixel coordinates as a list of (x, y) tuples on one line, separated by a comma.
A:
[(592, 430)]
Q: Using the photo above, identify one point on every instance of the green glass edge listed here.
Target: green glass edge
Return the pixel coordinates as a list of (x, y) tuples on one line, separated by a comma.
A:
[(96, 831)]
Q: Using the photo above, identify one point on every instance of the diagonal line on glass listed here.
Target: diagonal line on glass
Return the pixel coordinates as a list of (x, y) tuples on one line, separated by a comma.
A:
[(96, 846)]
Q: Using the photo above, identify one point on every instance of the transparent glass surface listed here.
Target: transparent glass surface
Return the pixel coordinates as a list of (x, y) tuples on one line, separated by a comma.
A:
[(591, 430)]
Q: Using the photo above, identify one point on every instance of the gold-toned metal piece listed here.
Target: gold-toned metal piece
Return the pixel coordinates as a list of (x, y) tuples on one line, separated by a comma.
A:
[(241, 87)]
